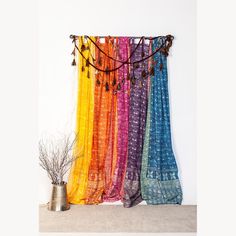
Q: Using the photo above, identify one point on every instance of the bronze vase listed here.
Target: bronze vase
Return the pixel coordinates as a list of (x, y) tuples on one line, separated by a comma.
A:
[(58, 201)]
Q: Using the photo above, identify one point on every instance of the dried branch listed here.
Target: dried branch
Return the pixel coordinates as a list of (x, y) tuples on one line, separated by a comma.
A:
[(57, 157)]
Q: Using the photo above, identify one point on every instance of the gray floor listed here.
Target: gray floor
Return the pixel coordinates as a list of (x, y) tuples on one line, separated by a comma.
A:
[(116, 218)]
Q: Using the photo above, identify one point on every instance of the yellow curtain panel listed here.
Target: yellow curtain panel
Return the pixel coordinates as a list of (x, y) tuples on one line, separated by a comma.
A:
[(78, 180)]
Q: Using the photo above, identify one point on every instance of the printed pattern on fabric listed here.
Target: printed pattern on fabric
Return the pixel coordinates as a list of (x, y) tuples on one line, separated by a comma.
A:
[(115, 192), (77, 181), (137, 121), (123, 123), (159, 175), (99, 175)]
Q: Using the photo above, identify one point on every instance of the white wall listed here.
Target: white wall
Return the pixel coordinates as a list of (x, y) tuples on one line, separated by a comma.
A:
[(57, 84)]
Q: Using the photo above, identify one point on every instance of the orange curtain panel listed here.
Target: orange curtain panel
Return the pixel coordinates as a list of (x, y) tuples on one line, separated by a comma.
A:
[(104, 127)]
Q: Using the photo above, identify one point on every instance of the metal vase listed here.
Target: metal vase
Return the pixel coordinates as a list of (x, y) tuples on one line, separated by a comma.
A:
[(59, 201)]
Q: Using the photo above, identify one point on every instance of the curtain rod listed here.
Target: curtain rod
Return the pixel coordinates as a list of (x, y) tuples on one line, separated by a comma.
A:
[(135, 37)]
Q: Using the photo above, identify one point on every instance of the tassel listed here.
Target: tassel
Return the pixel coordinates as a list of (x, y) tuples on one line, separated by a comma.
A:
[(87, 62), (161, 67), (98, 82), (82, 69), (88, 74), (152, 72), (143, 54), (107, 86), (100, 61), (144, 73), (73, 62), (137, 66), (118, 87), (73, 52), (128, 77), (140, 84), (164, 51), (133, 80), (114, 82), (83, 48), (107, 70), (128, 92)]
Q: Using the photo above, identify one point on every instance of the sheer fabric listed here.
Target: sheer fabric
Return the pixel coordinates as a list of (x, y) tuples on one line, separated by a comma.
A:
[(77, 181), (123, 123), (115, 191), (159, 175), (99, 176), (136, 131)]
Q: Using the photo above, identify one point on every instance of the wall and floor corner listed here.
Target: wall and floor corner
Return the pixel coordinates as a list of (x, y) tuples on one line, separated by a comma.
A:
[(57, 82)]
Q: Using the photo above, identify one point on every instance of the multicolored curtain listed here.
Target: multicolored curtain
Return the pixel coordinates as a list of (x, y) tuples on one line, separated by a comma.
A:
[(123, 122)]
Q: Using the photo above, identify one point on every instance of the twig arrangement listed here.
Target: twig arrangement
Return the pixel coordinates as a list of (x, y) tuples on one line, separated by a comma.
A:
[(57, 157)]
